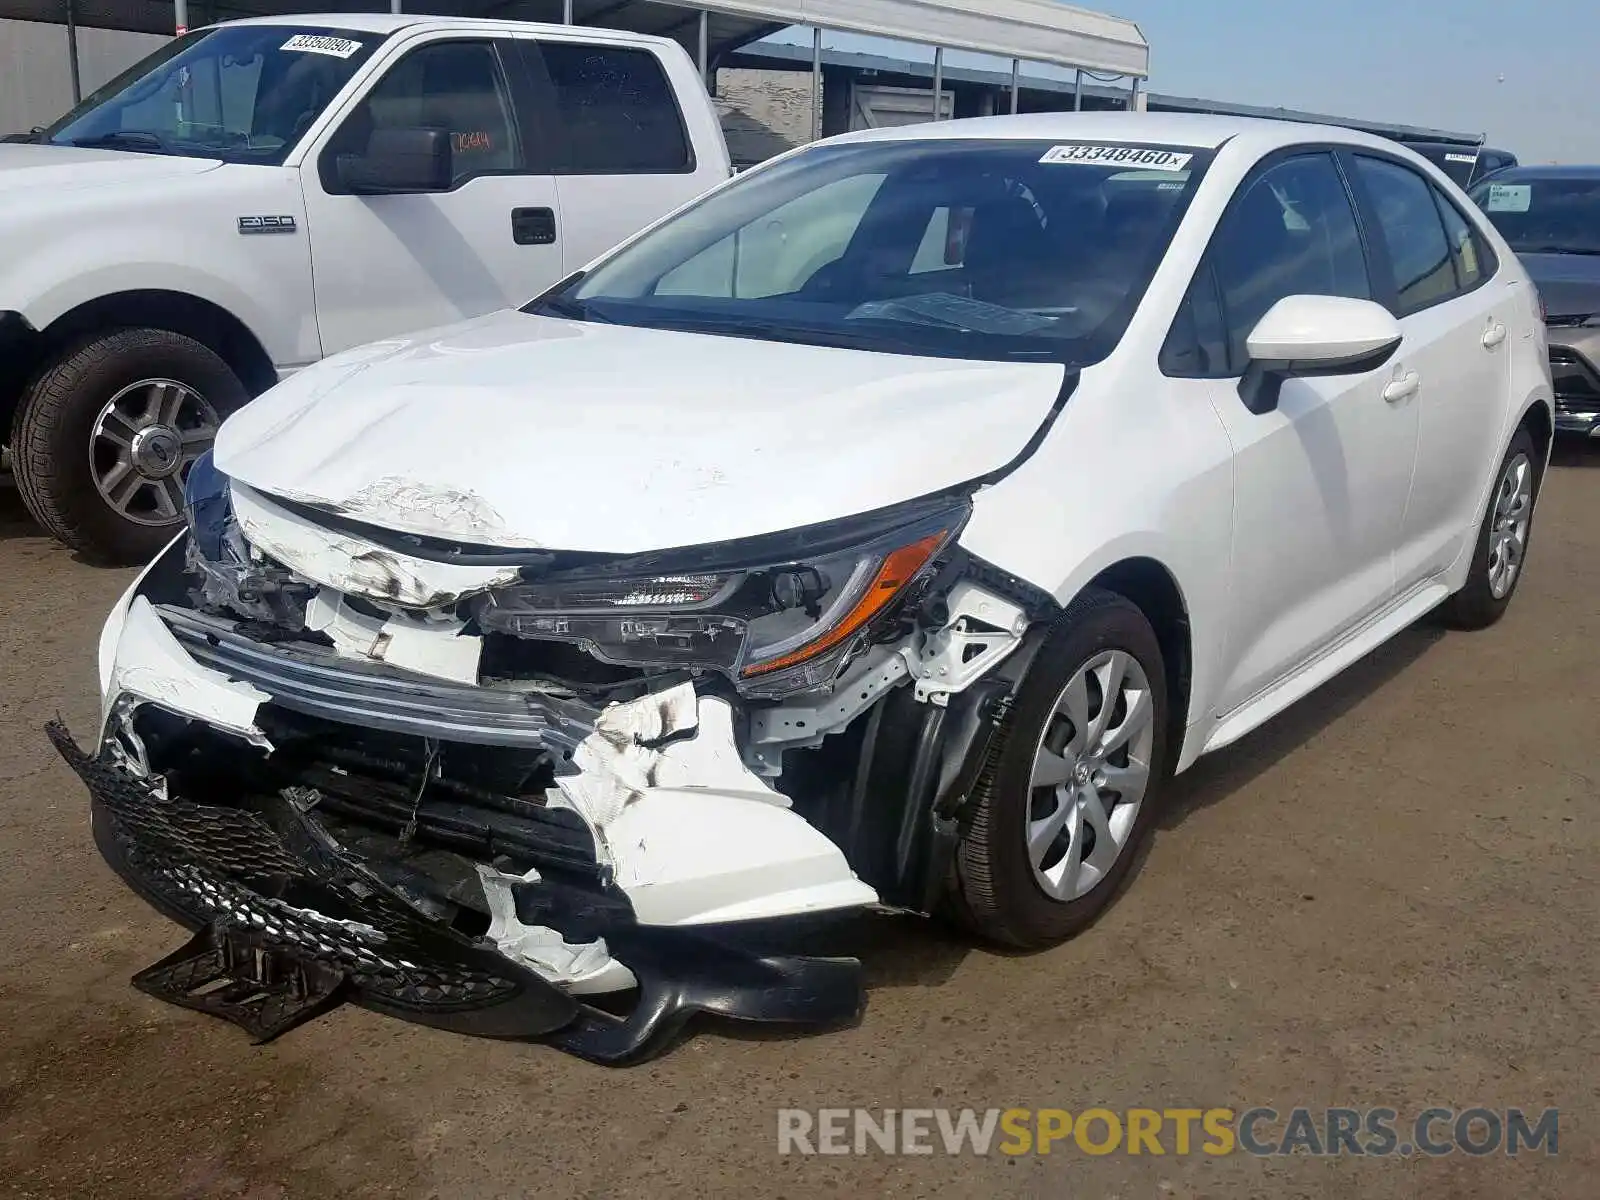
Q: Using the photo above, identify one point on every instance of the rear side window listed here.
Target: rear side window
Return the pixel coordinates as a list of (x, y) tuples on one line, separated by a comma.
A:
[(617, 111), (1411, 229), (1471, 257), (1292, 232)]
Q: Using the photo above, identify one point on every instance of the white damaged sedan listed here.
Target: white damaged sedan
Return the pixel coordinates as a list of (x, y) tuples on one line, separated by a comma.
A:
[(879, 532)]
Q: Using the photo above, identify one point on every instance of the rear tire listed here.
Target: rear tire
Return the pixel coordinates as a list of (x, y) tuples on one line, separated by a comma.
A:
[(106, 433), (1019, 895), (1501, 550)]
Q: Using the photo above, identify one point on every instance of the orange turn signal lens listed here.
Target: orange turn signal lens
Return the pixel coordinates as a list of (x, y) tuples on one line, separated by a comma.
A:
[(899, 568)]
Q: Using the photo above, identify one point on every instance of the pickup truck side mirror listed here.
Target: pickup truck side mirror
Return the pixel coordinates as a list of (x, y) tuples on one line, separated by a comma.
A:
[(399, 161), (1304, 336)]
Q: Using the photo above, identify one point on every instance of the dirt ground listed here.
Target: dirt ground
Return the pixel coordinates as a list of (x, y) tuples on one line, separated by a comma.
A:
[(1389, 897)]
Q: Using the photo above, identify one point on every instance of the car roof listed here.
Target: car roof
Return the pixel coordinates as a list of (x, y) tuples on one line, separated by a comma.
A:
[(1196, 130), (1533, 171), (388, 23)]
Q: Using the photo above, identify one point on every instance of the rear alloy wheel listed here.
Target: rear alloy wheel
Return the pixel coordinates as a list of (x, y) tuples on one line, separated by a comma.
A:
[(106, 434), (1502, 547), (1060, 817)]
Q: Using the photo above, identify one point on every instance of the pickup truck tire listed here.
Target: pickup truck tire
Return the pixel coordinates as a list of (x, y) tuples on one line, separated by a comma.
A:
[(106, 433)]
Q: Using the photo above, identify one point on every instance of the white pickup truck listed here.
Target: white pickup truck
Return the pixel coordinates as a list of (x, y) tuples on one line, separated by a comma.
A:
[(260, 194)]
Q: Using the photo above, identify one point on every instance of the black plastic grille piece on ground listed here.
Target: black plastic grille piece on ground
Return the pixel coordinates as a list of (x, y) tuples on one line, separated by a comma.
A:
[(206, 864), (230, 974)]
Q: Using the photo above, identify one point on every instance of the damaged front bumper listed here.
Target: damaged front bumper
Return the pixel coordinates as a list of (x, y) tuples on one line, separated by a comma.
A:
[(353, 798), (272, 878)]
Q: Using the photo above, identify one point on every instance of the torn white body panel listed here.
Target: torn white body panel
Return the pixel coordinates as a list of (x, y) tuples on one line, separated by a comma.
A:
[(691, 834), (354, 565), (436, 648), (149, 663), (585, 969)]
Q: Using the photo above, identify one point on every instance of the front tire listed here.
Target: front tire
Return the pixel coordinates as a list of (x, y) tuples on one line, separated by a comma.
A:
[(1502, 546), (1073, 795), (106, 433)]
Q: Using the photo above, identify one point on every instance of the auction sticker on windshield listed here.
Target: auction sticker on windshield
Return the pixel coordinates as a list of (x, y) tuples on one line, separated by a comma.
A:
[(1121, 156), (320, 43), (1509, 197)]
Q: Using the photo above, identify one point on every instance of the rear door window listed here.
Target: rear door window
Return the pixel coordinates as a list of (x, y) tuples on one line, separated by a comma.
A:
[(616, 111), (1413, 232)]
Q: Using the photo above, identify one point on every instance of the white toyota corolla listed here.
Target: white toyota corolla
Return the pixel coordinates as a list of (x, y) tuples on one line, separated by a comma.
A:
[(880, 531)]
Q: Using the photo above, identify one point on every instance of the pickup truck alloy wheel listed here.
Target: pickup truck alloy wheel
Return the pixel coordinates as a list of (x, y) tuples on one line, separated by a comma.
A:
[(143, 443), (107, 431), (1058, 819), (1090, 773)]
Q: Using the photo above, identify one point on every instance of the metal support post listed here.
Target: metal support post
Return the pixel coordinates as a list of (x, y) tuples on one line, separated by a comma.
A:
[(816, 83)]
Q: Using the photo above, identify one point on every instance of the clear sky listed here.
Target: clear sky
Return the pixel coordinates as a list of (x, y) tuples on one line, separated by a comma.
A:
[(1415, 62)]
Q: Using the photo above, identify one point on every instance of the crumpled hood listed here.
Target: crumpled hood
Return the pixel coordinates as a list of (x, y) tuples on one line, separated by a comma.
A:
[(41, 170), (522, 431), (1568, 283)]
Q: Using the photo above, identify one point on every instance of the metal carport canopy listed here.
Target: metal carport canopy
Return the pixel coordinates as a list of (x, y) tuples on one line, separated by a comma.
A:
[(1032, 30), (1035, 30)]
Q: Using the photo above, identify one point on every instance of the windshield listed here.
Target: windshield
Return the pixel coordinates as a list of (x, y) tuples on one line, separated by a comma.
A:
[(242, 93), (969, 249), (1548, 215)]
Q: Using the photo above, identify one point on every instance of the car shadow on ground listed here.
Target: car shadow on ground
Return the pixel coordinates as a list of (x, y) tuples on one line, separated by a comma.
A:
[(905, 951), (14, 519), (1575, 452)]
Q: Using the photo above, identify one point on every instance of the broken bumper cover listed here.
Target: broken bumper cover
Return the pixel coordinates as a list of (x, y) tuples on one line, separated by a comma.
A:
[(273, 881)]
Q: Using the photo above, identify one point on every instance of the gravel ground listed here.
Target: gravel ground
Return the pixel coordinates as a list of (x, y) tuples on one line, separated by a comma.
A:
[(1388, 897)]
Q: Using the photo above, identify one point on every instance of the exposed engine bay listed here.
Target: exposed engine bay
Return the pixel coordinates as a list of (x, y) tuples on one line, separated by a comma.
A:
[(566, 796)]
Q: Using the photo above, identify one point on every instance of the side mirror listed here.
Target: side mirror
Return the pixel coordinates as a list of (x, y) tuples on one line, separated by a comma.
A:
[(399, 161), (1303, 336)]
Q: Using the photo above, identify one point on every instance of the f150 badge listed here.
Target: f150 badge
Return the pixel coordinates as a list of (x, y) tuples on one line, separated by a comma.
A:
[(266, 225)]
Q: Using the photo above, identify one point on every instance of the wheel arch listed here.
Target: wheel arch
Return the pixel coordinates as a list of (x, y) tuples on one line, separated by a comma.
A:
[(177, 312), (1151, 586), (1540, 424)]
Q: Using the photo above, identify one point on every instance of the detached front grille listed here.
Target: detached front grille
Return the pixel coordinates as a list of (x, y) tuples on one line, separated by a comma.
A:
[(215, 864), (1577, 385)]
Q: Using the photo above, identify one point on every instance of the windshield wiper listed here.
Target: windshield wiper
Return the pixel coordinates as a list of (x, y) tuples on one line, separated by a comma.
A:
[(569, 309), (133, 139), (1587, 250), (36, 134)]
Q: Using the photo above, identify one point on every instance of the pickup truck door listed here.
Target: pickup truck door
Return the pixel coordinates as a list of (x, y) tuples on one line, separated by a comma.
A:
[(385, 265)]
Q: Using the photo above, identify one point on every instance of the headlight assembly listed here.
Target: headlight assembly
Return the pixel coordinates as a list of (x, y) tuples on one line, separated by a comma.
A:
[(207, 506), (774, 627)]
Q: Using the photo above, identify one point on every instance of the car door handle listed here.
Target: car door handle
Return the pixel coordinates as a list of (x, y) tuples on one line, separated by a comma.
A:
[(1403, 387), (1494, 335), (533, 226)]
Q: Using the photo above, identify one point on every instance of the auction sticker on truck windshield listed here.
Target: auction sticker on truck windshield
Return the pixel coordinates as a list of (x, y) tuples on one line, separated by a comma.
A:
[(1119, 156), (321, 43)]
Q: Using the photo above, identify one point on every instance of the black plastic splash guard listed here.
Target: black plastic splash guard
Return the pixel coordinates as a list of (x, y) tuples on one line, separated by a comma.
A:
[(289, 924)]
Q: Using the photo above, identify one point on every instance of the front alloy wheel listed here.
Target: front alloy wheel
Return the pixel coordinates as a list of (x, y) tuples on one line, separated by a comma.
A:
[(1058, 820), (1090, 774), (144, 441)]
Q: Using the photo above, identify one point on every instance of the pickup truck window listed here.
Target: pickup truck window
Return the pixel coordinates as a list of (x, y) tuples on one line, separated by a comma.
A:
[(241, 93), (453, 85), (617, 111)]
